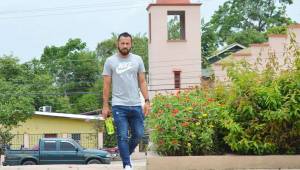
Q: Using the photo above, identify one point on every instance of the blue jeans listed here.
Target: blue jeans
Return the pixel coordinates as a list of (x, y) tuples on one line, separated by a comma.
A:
[(128, 117)]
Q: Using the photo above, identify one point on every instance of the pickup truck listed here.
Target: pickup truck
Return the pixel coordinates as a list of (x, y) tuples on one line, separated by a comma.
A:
[(56, 151)]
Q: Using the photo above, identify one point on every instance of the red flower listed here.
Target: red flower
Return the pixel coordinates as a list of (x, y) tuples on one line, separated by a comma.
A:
[(160, 112), (174, 112), (210, 99), (161, 142), (184, 124), (168, 105), (174, 142)]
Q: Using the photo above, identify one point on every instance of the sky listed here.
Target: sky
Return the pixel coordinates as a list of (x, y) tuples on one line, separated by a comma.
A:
[(26, 27)]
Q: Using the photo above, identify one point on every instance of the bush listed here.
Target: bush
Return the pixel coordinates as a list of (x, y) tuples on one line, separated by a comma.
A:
[(264, 108), (187, 123)]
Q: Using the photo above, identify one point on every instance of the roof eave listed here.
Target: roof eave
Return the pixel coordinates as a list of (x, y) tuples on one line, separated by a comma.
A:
[(175, 4)]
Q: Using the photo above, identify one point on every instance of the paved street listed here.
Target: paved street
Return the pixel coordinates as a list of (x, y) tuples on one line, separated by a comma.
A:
[(139, 163)]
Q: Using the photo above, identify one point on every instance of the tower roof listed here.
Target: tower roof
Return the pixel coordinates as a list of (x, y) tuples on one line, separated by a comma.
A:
[(173, 1)]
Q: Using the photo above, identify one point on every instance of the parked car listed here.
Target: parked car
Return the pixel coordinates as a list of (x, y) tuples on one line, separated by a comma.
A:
[(56, 151)]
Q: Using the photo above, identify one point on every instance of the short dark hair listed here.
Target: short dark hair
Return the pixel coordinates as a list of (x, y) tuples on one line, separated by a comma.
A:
[(124, 34)]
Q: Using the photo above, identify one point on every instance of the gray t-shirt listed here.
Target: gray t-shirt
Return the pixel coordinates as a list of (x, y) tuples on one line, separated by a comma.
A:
[(124, 73)]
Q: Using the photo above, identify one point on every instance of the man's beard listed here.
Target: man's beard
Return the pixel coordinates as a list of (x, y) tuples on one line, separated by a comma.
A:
[(124, 51)]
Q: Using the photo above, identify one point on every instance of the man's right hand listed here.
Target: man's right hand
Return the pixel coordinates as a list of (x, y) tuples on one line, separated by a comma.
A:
[(105, 112)]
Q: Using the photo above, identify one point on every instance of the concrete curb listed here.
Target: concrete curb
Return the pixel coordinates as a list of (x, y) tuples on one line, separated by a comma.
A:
[(223, 162)]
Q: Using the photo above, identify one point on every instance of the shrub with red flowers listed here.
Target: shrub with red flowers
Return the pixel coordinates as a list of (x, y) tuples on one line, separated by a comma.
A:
[(257, 113), (187, 123)]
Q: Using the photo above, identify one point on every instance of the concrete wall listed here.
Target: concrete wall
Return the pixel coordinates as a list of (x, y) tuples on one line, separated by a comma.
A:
[(259, 54), (44, 124)]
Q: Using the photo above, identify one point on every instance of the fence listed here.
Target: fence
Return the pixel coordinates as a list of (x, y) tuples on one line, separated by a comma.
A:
[(17, 141), (86, 140)]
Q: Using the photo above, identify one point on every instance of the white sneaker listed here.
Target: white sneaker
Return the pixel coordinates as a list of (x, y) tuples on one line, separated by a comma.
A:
[(131, 161), (127, 167)]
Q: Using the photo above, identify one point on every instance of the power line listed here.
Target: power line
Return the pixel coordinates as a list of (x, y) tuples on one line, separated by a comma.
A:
[(100, 78), (170, 60), (172, 78), (79, 6), (151, 85), (78, 12), (170, 89), (169, 65), (76, 93), (48, 94), (183, 72)]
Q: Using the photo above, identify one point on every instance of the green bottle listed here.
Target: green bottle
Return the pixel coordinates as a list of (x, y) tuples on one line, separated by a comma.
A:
[(109, 126)]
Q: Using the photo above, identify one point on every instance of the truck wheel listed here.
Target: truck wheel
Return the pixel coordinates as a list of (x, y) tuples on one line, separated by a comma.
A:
[(94, 161), (28, 163)]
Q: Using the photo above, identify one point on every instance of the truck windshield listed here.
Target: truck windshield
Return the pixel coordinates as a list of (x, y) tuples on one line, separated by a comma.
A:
[(77, 145)]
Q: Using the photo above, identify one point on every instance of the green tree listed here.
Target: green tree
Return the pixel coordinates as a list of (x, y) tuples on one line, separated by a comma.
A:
[(208, 43), (277, 30), (41, 84), (106, 48), (243, 21), (140, 47), (239, 15), (174, 29), (87, 102), (247, 37), (74, 68), (15, 105), (10, 69)]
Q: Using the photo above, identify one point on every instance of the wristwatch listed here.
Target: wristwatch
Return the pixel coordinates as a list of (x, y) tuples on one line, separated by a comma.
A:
[(147, 100)]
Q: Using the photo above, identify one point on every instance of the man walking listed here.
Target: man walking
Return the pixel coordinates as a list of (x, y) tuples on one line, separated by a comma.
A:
[(126, 72)]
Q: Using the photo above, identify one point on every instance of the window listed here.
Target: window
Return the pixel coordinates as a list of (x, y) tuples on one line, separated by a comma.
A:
[(76, 137), (176, 25), (177, 79), (50, 146), (66, 146), (50, 135)]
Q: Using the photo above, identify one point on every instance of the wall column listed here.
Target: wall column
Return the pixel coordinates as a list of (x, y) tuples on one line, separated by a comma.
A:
[(26, 140), (100, 139)]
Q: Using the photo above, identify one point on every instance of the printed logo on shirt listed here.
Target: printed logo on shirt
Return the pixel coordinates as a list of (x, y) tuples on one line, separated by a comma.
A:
[(123, 67)]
